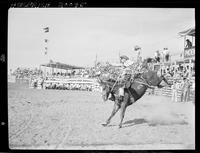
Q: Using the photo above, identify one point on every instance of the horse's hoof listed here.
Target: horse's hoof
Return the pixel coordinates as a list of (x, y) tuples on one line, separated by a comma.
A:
[(120, 127)]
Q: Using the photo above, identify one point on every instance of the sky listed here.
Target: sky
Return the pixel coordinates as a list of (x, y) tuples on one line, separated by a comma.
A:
[(77, 35)]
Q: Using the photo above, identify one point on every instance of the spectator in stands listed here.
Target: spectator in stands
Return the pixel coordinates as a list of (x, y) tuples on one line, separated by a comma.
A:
[(35, 83), (162, 56), (190, 72), (185, 86), (41, 82), (172, 72), (188, 43), (157, 56), (187, 90), (164, 72), (193, 89), (182, 89), (166, 54), (167, 57), (174, 88), (193, 72)]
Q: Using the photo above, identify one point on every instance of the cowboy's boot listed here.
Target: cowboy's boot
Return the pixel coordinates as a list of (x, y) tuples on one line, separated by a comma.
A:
[(121, 94), (121, 98), (111, 97), (132, 99)]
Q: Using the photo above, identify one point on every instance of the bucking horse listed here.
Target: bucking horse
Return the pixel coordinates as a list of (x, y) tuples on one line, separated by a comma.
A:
[(134, 87)]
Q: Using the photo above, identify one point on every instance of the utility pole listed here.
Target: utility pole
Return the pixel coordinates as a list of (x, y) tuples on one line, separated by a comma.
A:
[(119, 55), (95, 61)]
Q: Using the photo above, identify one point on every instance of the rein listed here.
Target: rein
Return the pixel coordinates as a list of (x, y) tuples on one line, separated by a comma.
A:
[(115, 83)]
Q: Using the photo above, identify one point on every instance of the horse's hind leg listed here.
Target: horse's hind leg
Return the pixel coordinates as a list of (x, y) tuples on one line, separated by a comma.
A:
[(114, 111)]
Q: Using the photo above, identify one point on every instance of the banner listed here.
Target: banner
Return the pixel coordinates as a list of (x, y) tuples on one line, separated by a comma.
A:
[(46, 29), (189, 53)]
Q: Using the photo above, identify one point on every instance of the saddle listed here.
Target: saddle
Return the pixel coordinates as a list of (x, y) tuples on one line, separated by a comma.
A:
[(125, 82), (128, 84), (130, 79)]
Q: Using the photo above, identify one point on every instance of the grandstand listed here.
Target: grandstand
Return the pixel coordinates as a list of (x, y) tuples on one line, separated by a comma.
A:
[(54, 67)]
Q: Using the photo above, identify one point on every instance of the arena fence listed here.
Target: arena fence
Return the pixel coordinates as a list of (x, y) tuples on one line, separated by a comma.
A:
[(22, 80), (11, 79), (167, 91), (94, 85), (73, 82)]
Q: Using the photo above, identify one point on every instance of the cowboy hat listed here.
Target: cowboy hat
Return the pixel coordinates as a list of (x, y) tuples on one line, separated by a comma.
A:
[(124, 57)]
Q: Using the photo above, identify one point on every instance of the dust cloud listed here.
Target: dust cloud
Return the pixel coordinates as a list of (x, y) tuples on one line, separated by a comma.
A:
[(162, 111)]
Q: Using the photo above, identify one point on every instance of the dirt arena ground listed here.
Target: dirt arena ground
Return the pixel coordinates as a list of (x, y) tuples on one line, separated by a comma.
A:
[(56, 119)]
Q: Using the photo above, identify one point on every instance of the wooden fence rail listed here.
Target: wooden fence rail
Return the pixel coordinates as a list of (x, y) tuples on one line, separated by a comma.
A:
[(167, 91)]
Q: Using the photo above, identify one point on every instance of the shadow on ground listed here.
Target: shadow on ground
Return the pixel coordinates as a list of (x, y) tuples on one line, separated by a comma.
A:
[(138, 121), (134, 122)]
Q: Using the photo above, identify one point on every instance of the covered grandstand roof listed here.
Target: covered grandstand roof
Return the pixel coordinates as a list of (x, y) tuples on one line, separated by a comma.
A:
[(188, 32), (61, 66)]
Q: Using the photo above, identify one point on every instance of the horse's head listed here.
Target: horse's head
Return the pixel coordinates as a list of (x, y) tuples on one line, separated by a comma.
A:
[(154, 79), (166, 76), (106, 89)]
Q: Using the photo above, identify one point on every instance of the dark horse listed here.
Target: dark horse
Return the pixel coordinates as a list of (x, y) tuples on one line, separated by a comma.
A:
[(136, 88)]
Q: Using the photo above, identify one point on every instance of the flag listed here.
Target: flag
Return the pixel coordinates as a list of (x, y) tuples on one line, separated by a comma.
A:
[(45, 53), (46, 29)]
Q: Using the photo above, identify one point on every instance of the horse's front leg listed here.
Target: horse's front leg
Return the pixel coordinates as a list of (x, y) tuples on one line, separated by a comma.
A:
[(123, 109), (114, 111)]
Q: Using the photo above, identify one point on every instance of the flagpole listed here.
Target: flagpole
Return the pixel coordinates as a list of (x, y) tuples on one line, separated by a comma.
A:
[(46, 31)]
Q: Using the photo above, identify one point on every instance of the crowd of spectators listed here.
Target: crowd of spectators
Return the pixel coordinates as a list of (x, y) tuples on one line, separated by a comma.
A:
[(26, 73), (38, 80), (40, 83), (162, 56), (186, 86), (179, 71), (181, 75), (83, 73), (183, 79), (68, 86)]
